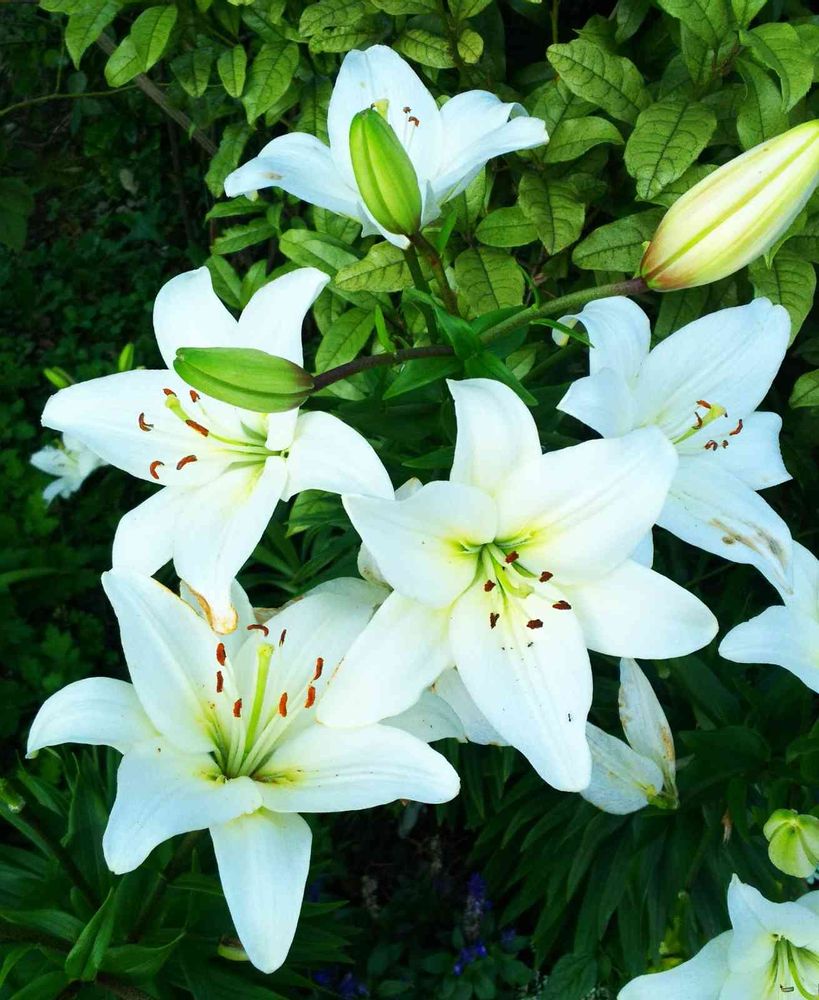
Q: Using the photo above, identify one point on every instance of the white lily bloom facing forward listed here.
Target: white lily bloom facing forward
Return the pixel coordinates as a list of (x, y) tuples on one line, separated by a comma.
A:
[(510, 571), (71, 462), (772, 952), (222, 735), (224, 468), (701, 387), (784, 635), (447, 146)]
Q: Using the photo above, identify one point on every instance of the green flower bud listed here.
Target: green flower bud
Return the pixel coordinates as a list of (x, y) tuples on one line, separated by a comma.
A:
[(245, 377), (793, 842), (384, 173), (58, 377)]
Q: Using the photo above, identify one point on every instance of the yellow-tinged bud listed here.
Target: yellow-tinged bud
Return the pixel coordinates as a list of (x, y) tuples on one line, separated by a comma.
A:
[(384, 172), (793, 842), (735, 214)]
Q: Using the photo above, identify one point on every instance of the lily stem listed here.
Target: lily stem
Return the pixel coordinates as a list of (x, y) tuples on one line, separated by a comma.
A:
[(171, 871), (437, 265), (379, 361)]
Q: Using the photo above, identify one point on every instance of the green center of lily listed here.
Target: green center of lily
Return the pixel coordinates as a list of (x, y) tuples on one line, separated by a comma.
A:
[(705, 414), (794, 971)]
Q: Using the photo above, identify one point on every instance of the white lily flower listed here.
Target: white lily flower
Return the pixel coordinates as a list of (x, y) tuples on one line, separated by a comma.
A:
[(786, 635), (222, 735), (510, 571), (629, 776), (701, 386), (71, 462), (224, 468), (447, 146), (771, 953)]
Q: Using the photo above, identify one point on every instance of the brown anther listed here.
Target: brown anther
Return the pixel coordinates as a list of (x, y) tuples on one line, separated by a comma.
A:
[(221, 655), (493, 618), (282, 636), (153, 467), (711, 445), (705, 403), (311, 697), (736, 430), (220, 682), (261, 628), (406, 109), (534, 623), (185, 461), (562, 606), (143, 424), (414, 121), (545, 576), (319, 667), (489, 585), (283, 705), (724, 444), (512, 557), (194, 395), (698, 419), (169, 392), (237, 708), (198, 428)]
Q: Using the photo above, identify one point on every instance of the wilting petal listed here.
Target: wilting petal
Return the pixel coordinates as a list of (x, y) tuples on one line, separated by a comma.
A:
[(581, 511), (715, 511), (476, 727), (701, 978), (162, 793), (602, 401), (643, 718), (754, 455), (301, 165), (532, 681), (425, 545), (621, 780), (188, 313), (782, 636), (327, 454), (620, 335), (496, 434), (399, 654), (333, 770), (97, 711), (234, 641), (634, 611), (273, 318), (145, 535), (430, 719), (263, 862)]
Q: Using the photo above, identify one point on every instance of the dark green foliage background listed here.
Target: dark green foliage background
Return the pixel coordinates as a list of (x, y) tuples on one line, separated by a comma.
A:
[(103, 196)]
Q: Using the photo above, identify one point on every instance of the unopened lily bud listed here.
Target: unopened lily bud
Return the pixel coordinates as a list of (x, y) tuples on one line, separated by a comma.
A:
[(735, 214), (58, 377), (793, 842), (245, 377), (384, 174)]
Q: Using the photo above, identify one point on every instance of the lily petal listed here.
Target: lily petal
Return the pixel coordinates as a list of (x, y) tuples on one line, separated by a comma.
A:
[(144, 538), (476, 727), (754, 455), (162, 793), (785, 637), (430, 719), (273, 318), (531, 681), (621, 779), (634, 611), (425, 545), (188, 313), (496, 434), (803, 593), (757, 921), (263, 863), (643, 719), (700, 978), (620, 335), (97, 711), (333, 770), (603, 401)]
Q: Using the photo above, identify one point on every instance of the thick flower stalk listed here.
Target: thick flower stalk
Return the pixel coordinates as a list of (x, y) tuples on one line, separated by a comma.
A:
[(445, 147), (771, 952), (701, 387), (221, 734), (71, 462), (223, 468), (510, 571), (735, 214), (785, 635)]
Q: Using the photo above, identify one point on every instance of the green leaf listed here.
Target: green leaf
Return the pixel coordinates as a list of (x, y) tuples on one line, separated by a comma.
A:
[(139, 960), (709, 20), (83, 961), (695, 173), (666, 140), (241, 205), (470, 46), (414, 374), (16, 204), (488, 279), (780, 48), (315, 100), (344, 38), (489, 365), (192, 70), (345, 338), (572, 978), (226, 282), (806, 390), (424, 47), (247, 234), (506, 227), (384, 269), (328, 14), (269, 77), (611, 82), (232, 69), (123, 63), (226, 159), (86, 26), (746, 10), (629, 15), (54, 923), (47, 986), (617, 246), (309, 249), (143, 46), (575, 136), (398, 7), (760, 115), (790, 281), (462, 9), (554, 210)]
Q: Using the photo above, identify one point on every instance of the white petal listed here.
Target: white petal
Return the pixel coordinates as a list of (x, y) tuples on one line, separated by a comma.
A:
[(643, 719), (327, 454), (620, 335), (603, 401), (188, 313), (621, 780), (426, 545), (222, 525), (728, 358), (399, 654), (263, 863), (273, 318), (634, 611), (496, 434), (534, 685), (98, 711), (785, 637), (756, 922), (333, 770), (162, 793), (709, 507), (233, 641), (701, 978), (144, 537), (367, 566), (379, 74), (753, 455), (644, 553), (429, 719), (579, 512), (803, 592), (52, 460), (476, 727), (301, 165)]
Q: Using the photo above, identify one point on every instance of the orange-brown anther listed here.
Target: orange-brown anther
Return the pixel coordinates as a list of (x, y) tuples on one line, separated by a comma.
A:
[(493, 618), (406, 109), (282, 636), (311, 697), (169, 392), (194, 395), (414, 121), (698, 419), (545, 576), (711, 445), (221, 655), (319, 667), (736, 430), (512, 557), (705, 403), (143, 423), (562, 606), (237, 708), (283, 705), (534, 623), (220, 682), (185, 461), (259, 628), (198, 428), (153, 467), (489, 585)]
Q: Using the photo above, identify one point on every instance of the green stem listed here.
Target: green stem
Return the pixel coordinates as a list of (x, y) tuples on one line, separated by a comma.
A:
[(171, 871), (437, 265), (554, 19), (62, 97), (414, 266), (379, 361)]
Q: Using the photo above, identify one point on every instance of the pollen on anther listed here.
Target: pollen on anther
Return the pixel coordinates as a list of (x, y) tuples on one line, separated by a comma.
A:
[(705, 403), (534, 623), (311, 697), (414, 121), (512, 557), (736, 430), (143, 423), (724, 444), (711, 445), (282, 636), (220, 654), (169, 392), (545, 576), (562, 606), (185, 461), (489, 585), (259, 628), (237, 708), (493, 618), (698, 418), (319, 667), (220, 682), (283, 705), (194, 396), (198, 428), (406, 109), (153, 467)]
